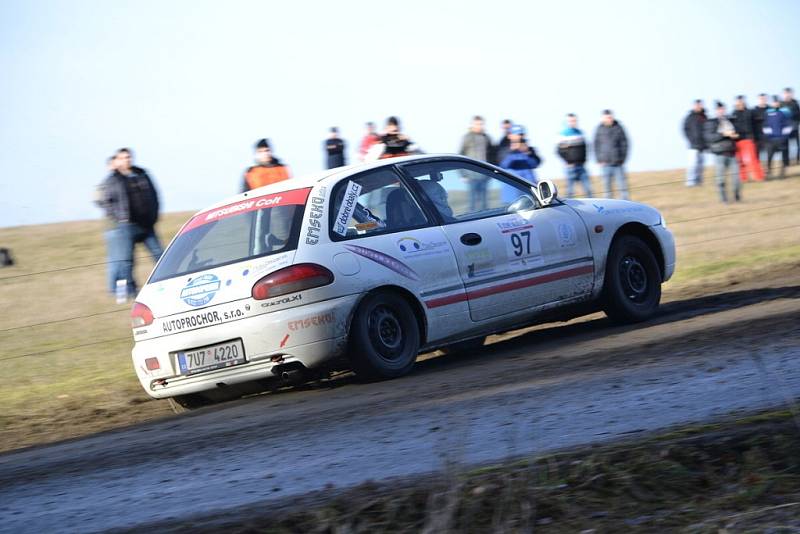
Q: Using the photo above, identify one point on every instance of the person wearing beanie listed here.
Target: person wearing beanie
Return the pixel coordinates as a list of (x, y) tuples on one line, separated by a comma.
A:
[(394, 142), (334, 149), (572, 149), (721, 139), (520, 160), (267, 170), (777, 129), (693, 126), (611, 151), (746, 156)]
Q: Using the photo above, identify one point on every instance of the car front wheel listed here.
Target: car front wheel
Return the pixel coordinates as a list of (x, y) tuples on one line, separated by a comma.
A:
[(384, 337), (632, 287)]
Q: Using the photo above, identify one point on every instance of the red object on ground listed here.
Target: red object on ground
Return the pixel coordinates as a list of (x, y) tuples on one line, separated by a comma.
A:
[(748, 160)]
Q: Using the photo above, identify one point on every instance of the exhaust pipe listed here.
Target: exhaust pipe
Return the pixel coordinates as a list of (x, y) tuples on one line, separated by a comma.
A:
[(291, 376)]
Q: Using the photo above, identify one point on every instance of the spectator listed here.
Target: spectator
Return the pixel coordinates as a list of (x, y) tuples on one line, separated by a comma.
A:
[(611, 151), (721, 139), (334, 148), (267, 170), (520, 160), (395, 143), (794, 108), (476, 144), (759, 114), (369, 139), (503, 145), (130, 202), (777, 131), (693, 127), (746, 156), (572, 149)]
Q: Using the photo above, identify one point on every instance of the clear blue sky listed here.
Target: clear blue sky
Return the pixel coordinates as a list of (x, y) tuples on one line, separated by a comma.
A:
[(191, 85)]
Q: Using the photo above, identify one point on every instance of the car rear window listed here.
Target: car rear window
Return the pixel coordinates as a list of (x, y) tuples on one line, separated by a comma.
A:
[(251, 228)]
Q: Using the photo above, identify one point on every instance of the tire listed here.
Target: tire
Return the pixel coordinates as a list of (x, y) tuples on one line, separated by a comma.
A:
[(384, 337), (632, 286), (467, 345), (186, 403)]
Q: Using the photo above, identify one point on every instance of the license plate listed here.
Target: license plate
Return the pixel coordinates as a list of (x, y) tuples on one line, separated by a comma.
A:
[(211, 357)]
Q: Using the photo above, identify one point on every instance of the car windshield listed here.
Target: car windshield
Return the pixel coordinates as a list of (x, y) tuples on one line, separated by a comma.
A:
[(251, 228)]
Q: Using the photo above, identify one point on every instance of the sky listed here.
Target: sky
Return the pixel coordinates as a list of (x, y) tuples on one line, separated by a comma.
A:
[(191, 85)]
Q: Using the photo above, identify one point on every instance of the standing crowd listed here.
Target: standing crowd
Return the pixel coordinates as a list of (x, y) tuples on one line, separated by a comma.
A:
[(740, 140), (736, 140)]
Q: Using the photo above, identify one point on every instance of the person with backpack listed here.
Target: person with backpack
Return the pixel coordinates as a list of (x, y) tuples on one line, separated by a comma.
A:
[(693, 126), (721, 138), (130, 201)]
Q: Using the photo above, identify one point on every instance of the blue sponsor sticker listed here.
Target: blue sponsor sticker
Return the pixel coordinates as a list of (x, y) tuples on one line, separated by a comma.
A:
[(199, 291)]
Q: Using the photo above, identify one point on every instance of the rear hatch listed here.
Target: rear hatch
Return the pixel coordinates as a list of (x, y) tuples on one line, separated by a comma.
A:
[(220, 253)]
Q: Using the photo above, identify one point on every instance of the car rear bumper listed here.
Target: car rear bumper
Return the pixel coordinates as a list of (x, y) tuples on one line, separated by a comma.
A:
[(309, 335)]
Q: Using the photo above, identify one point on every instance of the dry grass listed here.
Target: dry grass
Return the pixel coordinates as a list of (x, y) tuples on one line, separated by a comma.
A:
[(67, 393)]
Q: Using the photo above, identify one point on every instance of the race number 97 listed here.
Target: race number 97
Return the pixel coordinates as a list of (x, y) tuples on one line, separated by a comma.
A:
[(521, 243)]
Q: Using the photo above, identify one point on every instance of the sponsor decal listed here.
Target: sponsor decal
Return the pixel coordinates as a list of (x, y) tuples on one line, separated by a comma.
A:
[(314, 320), (366, 226), (513, 224), (480, 262), (296, 197), (198, 320), (567, 237), (411, 247), (141, 332), (271, 263), (615, 211), (384, 259), (349, 203), (199, 291), (315, 217), (282, 300)]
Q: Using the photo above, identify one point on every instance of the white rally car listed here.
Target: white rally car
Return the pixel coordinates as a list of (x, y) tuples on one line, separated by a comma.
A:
[(363, 267)]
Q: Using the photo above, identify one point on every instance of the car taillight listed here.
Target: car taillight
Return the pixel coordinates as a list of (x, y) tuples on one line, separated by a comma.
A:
[(291, 280), (140, 315)]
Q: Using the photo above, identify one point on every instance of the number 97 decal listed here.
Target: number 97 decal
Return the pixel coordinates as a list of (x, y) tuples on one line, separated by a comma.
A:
[(523, 246)]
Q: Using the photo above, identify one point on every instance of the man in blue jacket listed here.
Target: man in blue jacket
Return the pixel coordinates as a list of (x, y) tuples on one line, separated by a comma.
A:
[(777, 129), (520, 160), (611, 151)]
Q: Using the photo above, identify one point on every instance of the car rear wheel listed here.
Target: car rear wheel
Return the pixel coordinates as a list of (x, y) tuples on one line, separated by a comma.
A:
[(187, 403), (384, 337), (632, 287)]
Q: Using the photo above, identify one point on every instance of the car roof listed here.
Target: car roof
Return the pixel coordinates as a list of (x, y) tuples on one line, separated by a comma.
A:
[(328, 176)]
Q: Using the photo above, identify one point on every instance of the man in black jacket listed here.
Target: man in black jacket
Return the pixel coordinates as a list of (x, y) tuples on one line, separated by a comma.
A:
[(611, 151), (746, 154), (759, 113), (334, 149), (721, 138), (130, 201), (693, 127), (790, 102), (572, 149)]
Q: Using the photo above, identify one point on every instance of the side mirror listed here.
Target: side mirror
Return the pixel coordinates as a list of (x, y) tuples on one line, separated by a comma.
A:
[(545, 191)]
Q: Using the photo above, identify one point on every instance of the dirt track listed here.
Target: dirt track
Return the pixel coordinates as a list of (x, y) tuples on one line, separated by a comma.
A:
[(549, 388)]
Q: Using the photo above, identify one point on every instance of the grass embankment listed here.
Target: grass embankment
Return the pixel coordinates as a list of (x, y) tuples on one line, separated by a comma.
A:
[(79, 378), (742, 476)]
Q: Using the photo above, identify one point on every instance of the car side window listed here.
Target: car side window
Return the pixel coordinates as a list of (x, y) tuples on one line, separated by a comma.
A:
[(461, 191), (371, 203)]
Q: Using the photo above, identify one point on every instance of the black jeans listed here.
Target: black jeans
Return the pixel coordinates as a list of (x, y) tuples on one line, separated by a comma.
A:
[(778, 145)]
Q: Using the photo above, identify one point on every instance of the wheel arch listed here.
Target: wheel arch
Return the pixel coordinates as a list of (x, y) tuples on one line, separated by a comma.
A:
[(409, 297), (644, 233)]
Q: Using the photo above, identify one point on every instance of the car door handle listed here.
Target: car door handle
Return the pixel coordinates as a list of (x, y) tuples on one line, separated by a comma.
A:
[(471, 239)]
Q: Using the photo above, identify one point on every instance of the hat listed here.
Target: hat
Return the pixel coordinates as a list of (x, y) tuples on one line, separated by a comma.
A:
[(607, 112), (262, 143), (517, 129), (719, 104)]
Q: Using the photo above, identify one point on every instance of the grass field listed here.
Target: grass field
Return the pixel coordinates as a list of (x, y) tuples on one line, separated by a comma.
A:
[(69, 377)]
